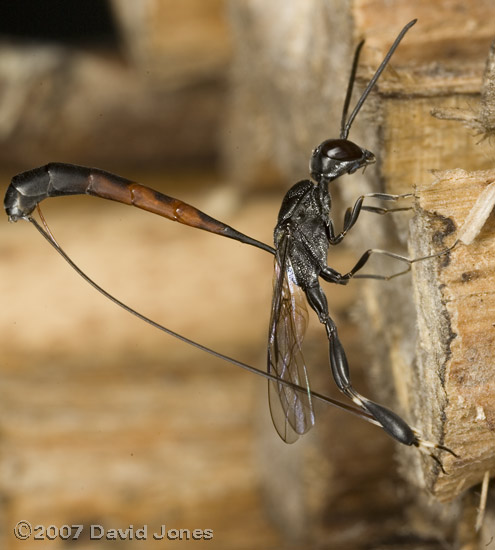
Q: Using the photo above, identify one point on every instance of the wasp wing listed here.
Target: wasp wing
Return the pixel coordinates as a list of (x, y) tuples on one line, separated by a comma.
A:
[(291, 410)]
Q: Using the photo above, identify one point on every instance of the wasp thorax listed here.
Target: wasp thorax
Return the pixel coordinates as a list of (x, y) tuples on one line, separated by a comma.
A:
[(335, 157)]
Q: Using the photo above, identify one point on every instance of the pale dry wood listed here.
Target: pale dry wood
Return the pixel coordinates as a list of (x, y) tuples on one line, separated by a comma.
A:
[(412, 143), (482, 120), (176, 42), (107, 421), (158, 98), (290, 75), (456, 319)]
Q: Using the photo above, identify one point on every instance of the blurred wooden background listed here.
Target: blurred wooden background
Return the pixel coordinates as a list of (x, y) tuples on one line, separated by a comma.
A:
[(104, 420)]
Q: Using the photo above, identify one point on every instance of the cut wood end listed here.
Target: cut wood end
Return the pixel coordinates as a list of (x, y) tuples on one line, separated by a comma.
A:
[(457, 293)]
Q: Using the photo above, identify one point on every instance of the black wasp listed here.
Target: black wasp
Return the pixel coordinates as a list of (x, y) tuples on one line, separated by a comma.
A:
[(302, 236)]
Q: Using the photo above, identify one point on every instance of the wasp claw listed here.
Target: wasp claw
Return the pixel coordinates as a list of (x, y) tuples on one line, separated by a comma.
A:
[(450, 451)]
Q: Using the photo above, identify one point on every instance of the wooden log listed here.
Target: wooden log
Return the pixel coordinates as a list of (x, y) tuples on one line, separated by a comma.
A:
[(456, 316), (290, 75), (155, 99), (178, 43), (424, 390)]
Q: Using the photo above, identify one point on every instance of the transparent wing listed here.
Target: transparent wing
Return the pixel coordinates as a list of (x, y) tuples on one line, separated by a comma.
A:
[(292, 411)]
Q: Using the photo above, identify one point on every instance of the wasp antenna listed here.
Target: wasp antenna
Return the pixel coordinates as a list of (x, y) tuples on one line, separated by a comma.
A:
[(345, 127), (350, 86)]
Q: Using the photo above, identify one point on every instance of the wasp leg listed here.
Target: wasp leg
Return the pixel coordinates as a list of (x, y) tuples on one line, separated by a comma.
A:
[(379, 210), (332, 276), (391, 422), (352, 214)]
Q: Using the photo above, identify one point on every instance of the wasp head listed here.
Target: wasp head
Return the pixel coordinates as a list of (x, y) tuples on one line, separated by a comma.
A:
[(336, 157)]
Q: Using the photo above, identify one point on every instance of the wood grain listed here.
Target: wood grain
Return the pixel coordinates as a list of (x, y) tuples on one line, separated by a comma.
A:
[(293, 80)]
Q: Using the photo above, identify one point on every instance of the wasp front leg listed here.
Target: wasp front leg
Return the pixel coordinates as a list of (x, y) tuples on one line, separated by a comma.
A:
[(352, 214)]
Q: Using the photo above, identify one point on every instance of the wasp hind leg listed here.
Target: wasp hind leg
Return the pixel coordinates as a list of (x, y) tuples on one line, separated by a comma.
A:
[(391, 422)]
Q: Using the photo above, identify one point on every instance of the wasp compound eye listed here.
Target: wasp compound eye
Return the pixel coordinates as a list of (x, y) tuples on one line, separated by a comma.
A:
[(340, 149)]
